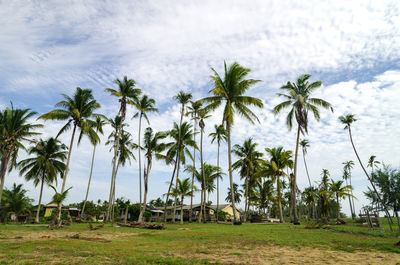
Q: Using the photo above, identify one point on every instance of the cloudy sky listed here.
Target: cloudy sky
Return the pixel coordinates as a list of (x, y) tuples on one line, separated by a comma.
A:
[(353, 47)]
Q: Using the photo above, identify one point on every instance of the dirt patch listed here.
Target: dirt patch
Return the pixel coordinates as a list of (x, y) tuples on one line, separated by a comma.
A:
[(96, 239), (273, 254)]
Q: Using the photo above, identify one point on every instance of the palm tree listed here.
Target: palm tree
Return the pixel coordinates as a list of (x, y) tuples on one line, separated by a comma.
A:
[(339, 191), (127, 94), (275, 168), (248, 158), (237, 194), (98, 125), (153, 148), (231, 90), (58, 198), (263, 193), (304, 145), (372, 163), (144, 105), (184, 189), (47, 162), (182, 139), (15, 201), (14, 128), (77, 111), (299, 100), (309, 195), (219, 135), (347, 120), (348, 166), (193, 112)]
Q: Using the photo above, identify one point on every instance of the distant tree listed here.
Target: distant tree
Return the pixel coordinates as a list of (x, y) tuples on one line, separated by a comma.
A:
[(15, 201), (184, 189), (337, 190), (58, 198), (237, 194)]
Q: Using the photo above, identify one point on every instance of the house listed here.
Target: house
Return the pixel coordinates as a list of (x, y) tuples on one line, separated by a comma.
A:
[(186, 212), (227, 208), (73, 212)]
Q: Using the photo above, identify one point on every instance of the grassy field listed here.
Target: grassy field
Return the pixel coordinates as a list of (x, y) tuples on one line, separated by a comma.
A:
[(198, 244)]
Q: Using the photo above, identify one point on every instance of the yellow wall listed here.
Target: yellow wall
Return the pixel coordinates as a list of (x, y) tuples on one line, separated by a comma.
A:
[(48, 212), (229, 210)]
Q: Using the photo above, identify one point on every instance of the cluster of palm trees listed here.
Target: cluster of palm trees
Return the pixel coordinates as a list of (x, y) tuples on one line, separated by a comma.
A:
[(178, 147)]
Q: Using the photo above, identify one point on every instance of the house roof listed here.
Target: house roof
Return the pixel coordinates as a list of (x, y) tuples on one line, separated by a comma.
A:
[(178, 207)]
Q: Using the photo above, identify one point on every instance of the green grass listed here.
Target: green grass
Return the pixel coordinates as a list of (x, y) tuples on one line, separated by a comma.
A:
[(172, 246)]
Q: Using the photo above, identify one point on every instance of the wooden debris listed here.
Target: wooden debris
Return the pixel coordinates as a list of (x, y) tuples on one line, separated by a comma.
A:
[(91, 227), (143, 225)]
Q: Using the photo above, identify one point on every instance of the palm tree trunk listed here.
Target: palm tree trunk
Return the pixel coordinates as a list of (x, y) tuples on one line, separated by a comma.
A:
[(113, 194), (146, 181), (218, 182), (295, 219), (228, 131), (372, 184), (66, 169), (246, 196), (194, 166), (203, 178), (176, 185), (3, 170), (351, 206), (40, 200), (140, 163), (352, 200), (169, 191), (278, 187), (338, 208), (90, 178), (182, 210), (126, 213)]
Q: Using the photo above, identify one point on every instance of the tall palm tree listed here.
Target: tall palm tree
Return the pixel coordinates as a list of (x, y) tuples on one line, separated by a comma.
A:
[(304, 145), (339, 191), (373, 163), (298, 99), (219, 135), (192, 110), (98, 125), (323, 193), (144, 105), (58, 198), (14, 129), (310, 195), (47, 162), (182, 139), (127, 94), (77, 111), (348, 166), (231, 89), (348, 120), (184, 189), (275, 169), (248, 157), (152, 148)]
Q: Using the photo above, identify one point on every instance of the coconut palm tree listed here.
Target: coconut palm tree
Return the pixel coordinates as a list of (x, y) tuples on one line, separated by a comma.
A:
[(14, 129), (264, 193), (348, 120), (373, 163), (231, 89), (144, 105), (304, 143), (184, 189), (348, 166), (127, 94), (275, 169), (77, 111), (152, 148), (98, 125), (15, 201), (237, 194), (182, 139), (337, 189), (47, 162), (248, 157), (192, 111), (219, 135), (58, 198), (310, 195), (298, 99)]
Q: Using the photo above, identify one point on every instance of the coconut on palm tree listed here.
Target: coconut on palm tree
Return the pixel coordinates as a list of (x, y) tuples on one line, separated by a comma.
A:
[(144, 105), (98, 124), (152, 148), (298, 98), (348, 120), (77, 111), (248, 157), (184, 189), (231, 90), (14, 129), (219, 135), (47, 162)]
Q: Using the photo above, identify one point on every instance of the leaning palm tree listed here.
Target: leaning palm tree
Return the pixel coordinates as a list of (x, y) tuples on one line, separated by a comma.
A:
[(298, 99), (144, 105), (98, 125), (77, 111), (219, 135), (304, 145), (58, 198), (248, 157), (47, 162), (14, 129), (336, 189), (347, 120), (231, 89), (193, 110), (348, 166), (184, 189), (152, 148), (127, 94)]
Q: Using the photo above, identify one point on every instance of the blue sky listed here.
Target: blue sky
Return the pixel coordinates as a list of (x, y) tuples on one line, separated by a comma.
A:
[(49, 48)]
